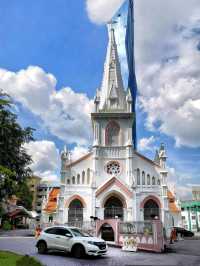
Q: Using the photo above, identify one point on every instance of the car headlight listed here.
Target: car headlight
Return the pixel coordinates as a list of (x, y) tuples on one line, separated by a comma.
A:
[(92, 243)]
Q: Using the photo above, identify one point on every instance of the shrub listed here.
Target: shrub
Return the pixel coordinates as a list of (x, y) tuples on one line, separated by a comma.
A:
[(26, 260), (6, 225)]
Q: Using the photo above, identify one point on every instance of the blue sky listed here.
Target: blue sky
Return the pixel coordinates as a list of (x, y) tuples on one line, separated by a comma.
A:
[(51, 63)]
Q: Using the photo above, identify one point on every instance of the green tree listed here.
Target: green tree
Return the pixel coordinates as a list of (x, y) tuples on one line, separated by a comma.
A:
[(14, 160)]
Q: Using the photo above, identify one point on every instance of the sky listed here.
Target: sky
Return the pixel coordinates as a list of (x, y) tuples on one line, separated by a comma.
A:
[(51, 63)]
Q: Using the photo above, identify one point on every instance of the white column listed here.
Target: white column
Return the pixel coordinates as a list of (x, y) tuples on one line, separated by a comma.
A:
[(65, 215)]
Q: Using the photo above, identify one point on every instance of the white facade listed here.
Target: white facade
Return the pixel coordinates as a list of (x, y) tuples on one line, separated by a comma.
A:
[(113, 171)]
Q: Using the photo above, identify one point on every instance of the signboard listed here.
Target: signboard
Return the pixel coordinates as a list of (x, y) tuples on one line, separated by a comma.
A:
[(129, 243)]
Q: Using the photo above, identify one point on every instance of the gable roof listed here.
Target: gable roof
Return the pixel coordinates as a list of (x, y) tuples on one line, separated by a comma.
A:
[(147, 159), (84, 157), (111, 182)]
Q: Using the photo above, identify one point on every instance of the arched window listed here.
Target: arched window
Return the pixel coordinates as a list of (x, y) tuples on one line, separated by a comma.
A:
[(148, 180), (83, 177), (78, 179), (73, 180), (158, 182), (143, 178), (113, 207), (68, 181), (88, 176), (153, 181), (151, 210), (112, 134), (138, 176), (75, 211)]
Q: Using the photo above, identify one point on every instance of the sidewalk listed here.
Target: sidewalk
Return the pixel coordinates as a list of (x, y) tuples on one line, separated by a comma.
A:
[(17, 232)]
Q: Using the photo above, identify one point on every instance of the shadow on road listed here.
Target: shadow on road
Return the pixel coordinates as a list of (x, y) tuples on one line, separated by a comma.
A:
[(185, 247), (69, 255)]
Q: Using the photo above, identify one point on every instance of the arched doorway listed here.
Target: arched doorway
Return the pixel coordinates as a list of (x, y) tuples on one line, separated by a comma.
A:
[(75, 211), (107, 233), (113, 208), (151, 210)]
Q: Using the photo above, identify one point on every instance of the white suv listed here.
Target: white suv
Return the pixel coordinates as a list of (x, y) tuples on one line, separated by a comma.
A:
[(70, 239)]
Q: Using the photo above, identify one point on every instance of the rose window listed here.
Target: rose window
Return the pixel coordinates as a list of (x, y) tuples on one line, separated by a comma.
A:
[(113, 168)]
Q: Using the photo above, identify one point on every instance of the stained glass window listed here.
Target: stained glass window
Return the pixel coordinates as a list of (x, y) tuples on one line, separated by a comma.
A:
[(113, 168)]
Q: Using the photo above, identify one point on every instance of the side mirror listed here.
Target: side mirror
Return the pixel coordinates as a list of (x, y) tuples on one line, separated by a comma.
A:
[(68, 235)]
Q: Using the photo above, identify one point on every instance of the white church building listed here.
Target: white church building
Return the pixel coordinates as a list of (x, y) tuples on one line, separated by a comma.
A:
[(113, 180)]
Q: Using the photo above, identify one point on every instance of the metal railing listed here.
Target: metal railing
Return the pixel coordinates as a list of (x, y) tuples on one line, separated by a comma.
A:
[(75, 215), (82, 224), (151, 213), (112, 152), (136, 227), (113, 212), (87, 226)]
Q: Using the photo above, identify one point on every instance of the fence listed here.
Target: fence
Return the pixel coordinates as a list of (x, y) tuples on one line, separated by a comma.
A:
[(112, 212), (136, 228), (88, 226), (147, 235)]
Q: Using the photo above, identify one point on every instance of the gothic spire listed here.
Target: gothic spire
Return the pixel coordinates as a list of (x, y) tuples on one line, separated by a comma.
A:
[(112, 94)]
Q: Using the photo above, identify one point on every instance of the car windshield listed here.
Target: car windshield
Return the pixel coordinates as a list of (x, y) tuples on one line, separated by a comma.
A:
[(77, 232)]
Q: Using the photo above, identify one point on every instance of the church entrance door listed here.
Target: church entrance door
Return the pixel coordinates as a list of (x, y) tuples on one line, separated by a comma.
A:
[(75, 211), (151, 210), (113, 208), (107, 233)]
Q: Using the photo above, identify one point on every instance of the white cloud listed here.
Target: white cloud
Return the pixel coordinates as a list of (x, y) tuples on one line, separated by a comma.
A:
[(184, 192), (146, 143), (168, 68), (173, 98), (45, 158), (156, 24), (101, 11), (65, 114), (78, 151), (167, 63), (175, 185)]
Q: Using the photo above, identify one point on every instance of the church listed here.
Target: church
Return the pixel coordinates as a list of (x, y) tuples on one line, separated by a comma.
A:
[(114, 180)]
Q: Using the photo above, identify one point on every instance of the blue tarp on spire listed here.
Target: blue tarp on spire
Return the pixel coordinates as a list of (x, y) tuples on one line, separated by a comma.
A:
[(124, 33), (132, 83)]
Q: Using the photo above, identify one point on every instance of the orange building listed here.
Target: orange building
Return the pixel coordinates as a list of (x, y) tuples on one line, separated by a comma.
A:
[(49, 210), (174, 209)]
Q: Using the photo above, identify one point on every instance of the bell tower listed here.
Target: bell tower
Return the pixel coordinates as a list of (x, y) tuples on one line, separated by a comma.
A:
[(113, 118)]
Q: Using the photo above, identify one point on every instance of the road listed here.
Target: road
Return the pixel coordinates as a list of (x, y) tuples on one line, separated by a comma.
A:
[(184, 253)]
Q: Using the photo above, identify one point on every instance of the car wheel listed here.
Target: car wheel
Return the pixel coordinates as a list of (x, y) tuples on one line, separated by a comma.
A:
[(78, 251), (42, 247)]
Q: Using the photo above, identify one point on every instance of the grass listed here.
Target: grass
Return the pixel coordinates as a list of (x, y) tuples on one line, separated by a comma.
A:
[(11, 259)]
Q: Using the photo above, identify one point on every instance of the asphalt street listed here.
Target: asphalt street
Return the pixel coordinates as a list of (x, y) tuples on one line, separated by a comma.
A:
[(185, 253)]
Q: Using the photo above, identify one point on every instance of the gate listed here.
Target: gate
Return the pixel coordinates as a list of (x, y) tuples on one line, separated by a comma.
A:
[(147, 235), (87, 226)]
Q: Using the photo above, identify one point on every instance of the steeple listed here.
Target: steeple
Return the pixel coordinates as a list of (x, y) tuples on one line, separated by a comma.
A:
[(112, 94)]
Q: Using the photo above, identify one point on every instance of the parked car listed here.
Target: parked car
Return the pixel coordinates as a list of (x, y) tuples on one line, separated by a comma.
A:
[(183, 232), (70, 239)]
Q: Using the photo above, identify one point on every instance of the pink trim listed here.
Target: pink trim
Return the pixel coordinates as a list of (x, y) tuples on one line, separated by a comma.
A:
[(114, 181), (112, 222), (117, 195), (151, 197), (67, 203)]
